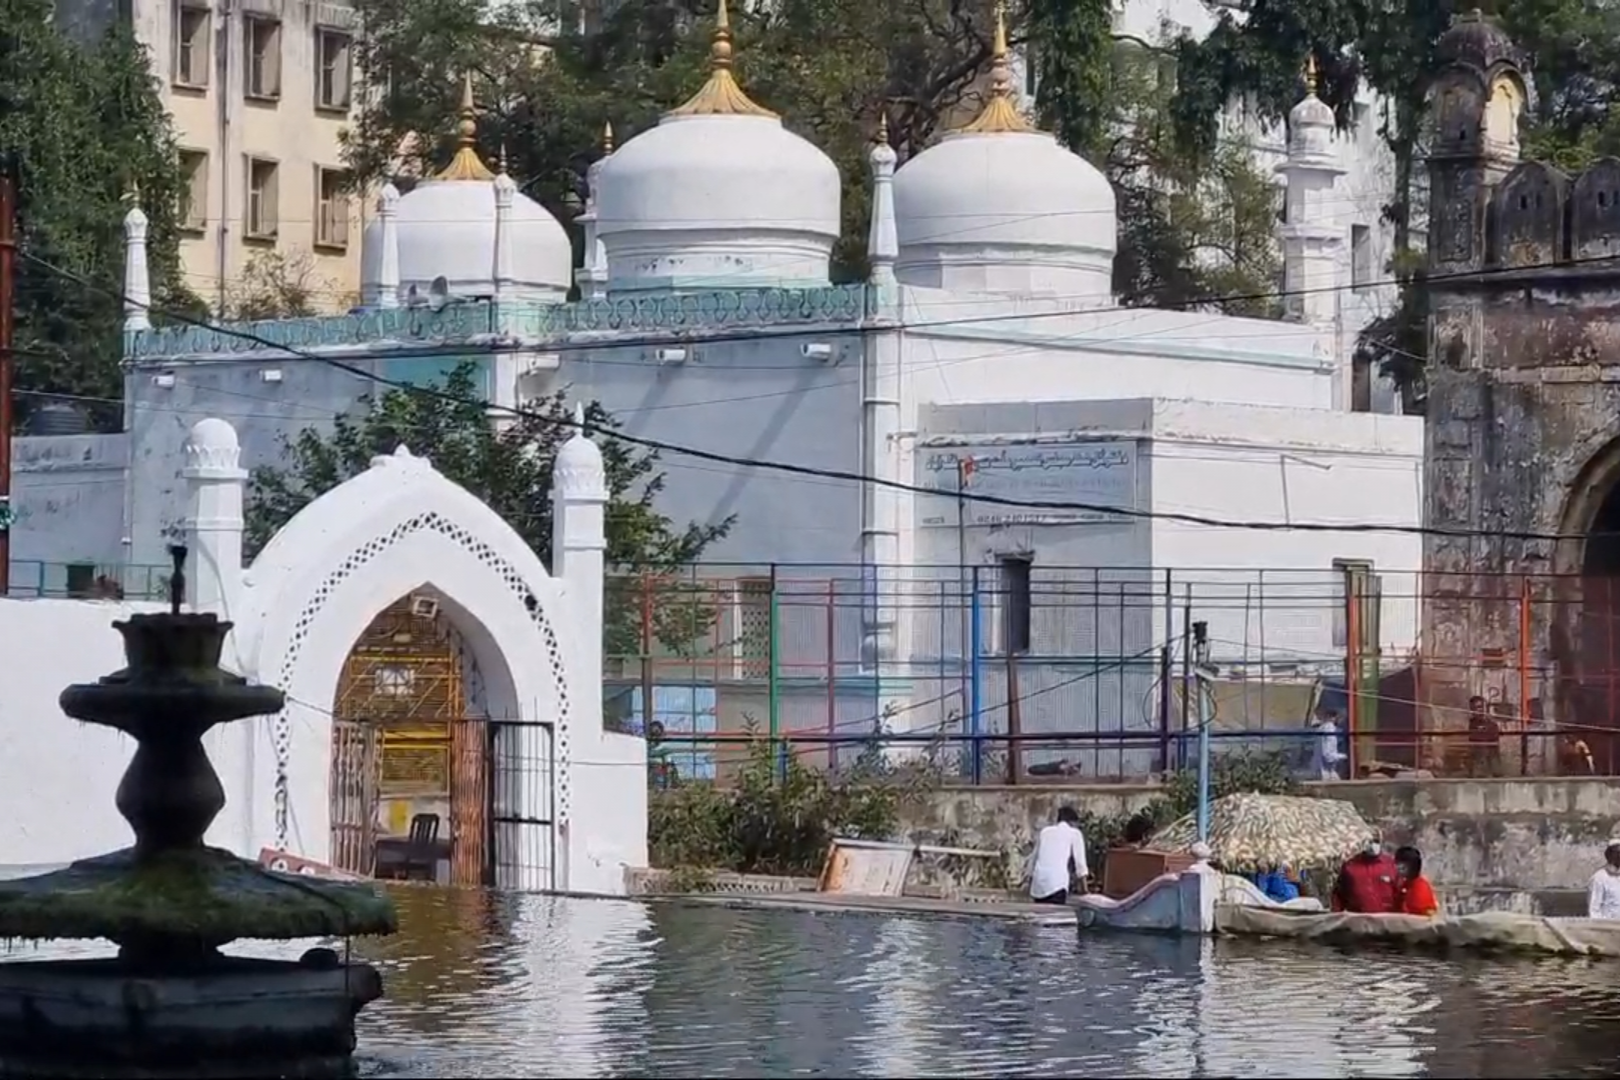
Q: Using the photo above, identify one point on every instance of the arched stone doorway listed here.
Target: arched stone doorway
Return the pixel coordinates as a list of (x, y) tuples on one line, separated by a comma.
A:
[(1586, 636), (529, 648), (396, 532), (410, 750)]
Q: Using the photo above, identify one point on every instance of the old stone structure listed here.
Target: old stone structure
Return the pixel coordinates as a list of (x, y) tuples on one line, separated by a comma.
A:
[(1524, 407)]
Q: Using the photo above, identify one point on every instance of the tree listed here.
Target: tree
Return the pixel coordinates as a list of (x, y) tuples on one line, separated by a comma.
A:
[(1574, 45), (1193, 226), (83, 128), (508, 466), (276, 285)]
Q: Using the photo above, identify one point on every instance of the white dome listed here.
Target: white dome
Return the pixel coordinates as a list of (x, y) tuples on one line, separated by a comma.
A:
[(1000, 207), (1005, 212), (719, 193), (447, 228)]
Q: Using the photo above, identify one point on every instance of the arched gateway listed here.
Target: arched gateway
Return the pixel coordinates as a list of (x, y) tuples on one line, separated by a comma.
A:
[(528, 646)]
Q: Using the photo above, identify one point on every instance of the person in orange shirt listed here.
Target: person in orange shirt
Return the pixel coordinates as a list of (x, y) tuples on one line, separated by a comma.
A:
[(1416, 894)]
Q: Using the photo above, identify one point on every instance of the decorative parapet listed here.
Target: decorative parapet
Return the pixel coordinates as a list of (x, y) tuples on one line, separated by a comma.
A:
[(484, 324)]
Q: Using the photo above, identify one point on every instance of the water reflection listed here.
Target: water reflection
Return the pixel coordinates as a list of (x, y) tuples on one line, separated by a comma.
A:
[(493, 986)]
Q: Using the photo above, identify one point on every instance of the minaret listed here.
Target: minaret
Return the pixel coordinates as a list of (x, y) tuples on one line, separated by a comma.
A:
[(388, 239), (501, 270), (1312, 243), (882, 241), (592, 276), (137, 282), (214, 477)]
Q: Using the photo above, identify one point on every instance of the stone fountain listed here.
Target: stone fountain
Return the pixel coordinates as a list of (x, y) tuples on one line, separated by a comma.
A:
[(170, 1004)]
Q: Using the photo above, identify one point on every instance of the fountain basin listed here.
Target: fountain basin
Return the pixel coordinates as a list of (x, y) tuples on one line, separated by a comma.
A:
[(237, 1020), (203, 895)]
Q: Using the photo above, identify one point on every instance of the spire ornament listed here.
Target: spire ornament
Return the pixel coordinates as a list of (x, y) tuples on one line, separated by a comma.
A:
[(721, 96), (1311, 81), (607, 138), (1000, 115), (466, 165)]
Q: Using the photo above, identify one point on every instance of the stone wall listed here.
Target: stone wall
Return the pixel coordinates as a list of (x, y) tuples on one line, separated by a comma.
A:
[(1507, 836)]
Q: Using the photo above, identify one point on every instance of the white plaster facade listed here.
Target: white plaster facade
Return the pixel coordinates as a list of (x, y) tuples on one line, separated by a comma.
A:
[(569, 798), (993, 340)]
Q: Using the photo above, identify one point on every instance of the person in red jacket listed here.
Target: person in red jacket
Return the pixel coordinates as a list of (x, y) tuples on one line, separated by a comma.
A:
[(1369, 883), (1417, 894)]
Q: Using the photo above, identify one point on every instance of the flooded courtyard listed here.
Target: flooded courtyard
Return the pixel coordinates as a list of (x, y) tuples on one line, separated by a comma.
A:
[(484, 985)]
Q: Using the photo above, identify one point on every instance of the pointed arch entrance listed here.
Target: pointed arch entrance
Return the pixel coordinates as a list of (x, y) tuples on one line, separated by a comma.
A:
[(401, 530), (1587, 637)]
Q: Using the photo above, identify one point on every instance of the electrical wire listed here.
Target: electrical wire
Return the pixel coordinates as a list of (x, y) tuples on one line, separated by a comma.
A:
[(789, 468)]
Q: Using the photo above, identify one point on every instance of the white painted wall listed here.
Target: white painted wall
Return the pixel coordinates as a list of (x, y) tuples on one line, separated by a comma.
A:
[(58, 776), (1255, 463)]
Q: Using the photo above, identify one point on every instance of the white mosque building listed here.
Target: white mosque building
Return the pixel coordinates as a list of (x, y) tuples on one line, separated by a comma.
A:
[(984, 359)]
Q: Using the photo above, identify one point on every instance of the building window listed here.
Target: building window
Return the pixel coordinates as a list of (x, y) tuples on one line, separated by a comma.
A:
[(331, 208), (1361, 256), (262, 181), (191, 36), (263, 49), (332, 51), (194, 195), (1015, 604)]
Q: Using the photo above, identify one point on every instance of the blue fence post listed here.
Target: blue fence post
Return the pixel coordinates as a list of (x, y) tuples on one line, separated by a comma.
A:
[(975, 724)]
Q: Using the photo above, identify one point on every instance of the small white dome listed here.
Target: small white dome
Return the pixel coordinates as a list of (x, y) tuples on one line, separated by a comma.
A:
[(718, 193), (447, 228), (578, 470), (212, 433), (1001, 207)]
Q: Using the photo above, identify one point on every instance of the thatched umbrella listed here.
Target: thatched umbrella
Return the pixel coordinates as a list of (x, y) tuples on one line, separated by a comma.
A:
[(1250, 832)]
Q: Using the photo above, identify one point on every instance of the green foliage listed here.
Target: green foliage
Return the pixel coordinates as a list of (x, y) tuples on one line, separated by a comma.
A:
[(1257, 56), (508, 467), (83, 126), (1193, 224), (780, 815)]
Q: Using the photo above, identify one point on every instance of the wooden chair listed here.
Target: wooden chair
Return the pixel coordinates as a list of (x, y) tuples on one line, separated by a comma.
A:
[(417, 857)]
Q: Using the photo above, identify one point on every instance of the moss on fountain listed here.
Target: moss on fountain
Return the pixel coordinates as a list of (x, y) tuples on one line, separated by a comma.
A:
[(206, 895)]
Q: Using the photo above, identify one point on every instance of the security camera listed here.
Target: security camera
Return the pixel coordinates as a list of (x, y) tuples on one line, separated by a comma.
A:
[(816, 350), (670, 356)]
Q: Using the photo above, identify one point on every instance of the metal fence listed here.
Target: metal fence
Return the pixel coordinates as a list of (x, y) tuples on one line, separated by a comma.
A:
[(1088, 674), (1083, 674), (34, 579), (1092, 673)]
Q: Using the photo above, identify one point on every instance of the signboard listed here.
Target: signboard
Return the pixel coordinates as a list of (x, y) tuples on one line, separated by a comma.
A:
[(1101, 475)]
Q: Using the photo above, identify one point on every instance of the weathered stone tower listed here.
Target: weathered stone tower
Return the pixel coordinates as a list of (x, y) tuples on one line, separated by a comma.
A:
[(1524, 413)]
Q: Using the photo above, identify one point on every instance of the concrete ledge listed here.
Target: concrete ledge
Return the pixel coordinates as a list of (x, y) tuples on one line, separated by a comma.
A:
[(903, 906)]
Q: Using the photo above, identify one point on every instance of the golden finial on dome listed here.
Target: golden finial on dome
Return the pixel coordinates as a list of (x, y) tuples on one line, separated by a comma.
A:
[(1310, 74), (607, 137), (721, 96), (883, 127), (466, 165), (999, 115)]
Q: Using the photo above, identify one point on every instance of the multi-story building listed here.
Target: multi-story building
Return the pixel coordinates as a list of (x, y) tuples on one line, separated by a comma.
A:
[(259, 92)]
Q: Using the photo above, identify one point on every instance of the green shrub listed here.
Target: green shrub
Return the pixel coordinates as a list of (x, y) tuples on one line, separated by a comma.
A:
[(780, 816)]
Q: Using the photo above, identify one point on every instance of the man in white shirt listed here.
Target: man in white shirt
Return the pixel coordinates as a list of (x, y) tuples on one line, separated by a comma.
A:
[(1603, 896), (1059, 859), (1327, 757)]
